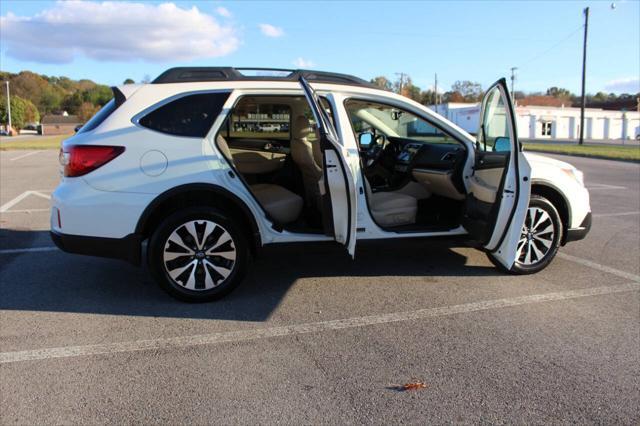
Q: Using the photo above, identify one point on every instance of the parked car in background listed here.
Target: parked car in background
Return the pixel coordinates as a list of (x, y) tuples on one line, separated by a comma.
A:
[(161, 163)]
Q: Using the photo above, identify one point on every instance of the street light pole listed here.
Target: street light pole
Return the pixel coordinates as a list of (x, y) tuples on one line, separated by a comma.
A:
[(513, 79), (436, 92), (584, 73), (8, 108)]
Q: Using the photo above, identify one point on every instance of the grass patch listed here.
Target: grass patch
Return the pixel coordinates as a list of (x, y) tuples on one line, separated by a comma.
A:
[(37, 142), (613, 152)]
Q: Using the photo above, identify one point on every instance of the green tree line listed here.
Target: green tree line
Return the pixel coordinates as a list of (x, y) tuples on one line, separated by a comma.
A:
[(33, 96)]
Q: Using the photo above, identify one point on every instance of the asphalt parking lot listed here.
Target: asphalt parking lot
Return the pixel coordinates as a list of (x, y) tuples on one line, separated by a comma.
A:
[(313, 337)]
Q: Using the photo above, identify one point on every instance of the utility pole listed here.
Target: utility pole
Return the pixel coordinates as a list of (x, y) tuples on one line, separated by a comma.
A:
[(513, 79), (436, 92), (8, 108), (584, 74), (401, 74)]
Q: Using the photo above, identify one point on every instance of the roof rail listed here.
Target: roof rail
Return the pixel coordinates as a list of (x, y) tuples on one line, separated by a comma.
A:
[(195, 74)]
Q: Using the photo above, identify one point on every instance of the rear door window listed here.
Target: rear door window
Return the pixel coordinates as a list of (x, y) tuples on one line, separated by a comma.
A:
[(191, 115)]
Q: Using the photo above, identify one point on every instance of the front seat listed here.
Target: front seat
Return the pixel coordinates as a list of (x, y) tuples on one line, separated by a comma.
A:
[(302, 152), (391, 208), (281, 204)]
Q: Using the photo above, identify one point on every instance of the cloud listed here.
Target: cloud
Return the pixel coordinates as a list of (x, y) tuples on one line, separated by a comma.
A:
[(623, 85), (223, 11), (303, 63), (115, 31), (271, 31)]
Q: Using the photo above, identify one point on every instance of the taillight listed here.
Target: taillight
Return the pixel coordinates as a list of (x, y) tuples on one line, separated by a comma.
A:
[(79, 160)]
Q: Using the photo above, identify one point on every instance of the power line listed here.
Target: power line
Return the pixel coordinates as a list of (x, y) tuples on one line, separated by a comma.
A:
[(574, 32)]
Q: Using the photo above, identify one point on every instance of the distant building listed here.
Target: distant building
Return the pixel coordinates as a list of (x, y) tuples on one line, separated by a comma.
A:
[(547, 122), (59, 124)]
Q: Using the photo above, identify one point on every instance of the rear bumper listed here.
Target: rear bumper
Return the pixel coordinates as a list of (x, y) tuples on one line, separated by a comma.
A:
[(127, 248), (575, 234)]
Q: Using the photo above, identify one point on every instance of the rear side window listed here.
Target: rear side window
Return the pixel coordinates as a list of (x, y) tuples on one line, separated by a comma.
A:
[(191, 115), (100, 116)]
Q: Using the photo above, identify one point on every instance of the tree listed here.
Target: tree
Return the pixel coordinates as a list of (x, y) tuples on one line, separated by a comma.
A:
[(23, 112), (129, 81), (71, 103), (98, 95), (470, 90), (452, 96), (405, 87), (382, 82), (86, 111), (559, 92)]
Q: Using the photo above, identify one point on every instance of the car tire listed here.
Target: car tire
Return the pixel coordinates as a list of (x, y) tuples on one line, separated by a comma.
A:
[(540, 239), (198, 254)]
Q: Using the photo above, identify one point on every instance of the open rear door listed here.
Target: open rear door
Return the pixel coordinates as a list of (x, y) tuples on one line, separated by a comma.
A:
[(337, 186), (500, 185)]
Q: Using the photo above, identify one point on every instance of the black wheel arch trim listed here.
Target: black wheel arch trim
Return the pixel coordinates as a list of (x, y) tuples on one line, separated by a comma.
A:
[(192, 187)]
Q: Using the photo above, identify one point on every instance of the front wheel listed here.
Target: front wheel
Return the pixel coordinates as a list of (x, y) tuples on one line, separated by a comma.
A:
[(540, 238), (198, 254)]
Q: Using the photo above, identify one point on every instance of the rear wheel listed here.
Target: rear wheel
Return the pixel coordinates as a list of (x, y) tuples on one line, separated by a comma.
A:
[(540, 238), (198, 254)]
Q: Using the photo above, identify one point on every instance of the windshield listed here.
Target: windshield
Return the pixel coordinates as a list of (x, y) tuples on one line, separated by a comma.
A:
[(393, 122)]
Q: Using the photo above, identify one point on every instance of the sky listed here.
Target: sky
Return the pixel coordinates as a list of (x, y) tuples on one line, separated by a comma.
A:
[(467, 40)]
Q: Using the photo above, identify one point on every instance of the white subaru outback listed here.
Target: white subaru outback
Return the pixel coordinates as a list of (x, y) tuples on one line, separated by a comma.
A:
[(184, 164)]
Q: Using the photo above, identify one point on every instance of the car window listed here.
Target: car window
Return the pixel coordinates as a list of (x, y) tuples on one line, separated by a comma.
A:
[(494, 132), (393, 122), (100, 116), (258, 120), (191, 115)]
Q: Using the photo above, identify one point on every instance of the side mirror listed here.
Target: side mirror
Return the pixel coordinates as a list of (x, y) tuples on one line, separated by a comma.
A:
[(365, 139), (502, 144)]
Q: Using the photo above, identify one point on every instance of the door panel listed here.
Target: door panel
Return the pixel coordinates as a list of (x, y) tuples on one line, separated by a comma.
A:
[(500, 185), (257, 162), (339, 195)]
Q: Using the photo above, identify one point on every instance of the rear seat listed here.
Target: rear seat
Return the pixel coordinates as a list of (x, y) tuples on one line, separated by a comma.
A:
[(281, 204)]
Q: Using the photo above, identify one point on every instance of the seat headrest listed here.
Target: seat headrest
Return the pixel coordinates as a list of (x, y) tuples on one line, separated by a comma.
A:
[(224, 147), (301, 127)]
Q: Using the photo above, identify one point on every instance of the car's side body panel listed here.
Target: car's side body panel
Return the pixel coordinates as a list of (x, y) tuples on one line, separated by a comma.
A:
[(110, 201)]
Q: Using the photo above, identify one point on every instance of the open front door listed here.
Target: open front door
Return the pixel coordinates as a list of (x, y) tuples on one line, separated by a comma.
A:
[(337, 186), (500, 185)]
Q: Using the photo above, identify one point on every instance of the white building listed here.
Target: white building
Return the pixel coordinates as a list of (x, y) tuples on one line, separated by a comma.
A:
[(541, 122)]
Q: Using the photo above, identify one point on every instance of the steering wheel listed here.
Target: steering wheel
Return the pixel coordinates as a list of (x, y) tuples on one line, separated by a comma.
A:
[(374, 151)]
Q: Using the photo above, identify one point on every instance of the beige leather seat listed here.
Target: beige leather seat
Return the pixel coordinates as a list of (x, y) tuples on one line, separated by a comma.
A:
[(307, 156), (282, 205), (391, 208)]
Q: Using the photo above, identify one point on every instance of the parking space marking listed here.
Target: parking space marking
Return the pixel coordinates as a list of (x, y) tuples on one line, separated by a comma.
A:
[(615, 214), (27, 211), (28, 250), (599, 267), (19, 157), (6, 206), (305, 328), (593, 186)]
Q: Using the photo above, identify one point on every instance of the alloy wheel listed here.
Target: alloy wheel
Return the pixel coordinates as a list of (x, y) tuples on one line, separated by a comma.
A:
[(537, 237), (199, 255)]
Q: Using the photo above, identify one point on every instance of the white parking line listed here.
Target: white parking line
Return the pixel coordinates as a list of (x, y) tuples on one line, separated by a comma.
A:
[(6, 206), (593, 186), (599, 267), (24, 155), (615, 214), (28, 250), (27, 211), (314, 327)]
